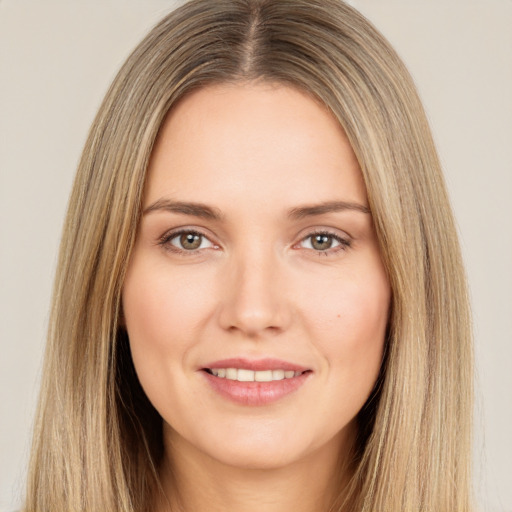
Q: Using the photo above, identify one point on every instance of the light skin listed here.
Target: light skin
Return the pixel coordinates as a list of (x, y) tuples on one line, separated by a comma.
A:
[(256, 242)]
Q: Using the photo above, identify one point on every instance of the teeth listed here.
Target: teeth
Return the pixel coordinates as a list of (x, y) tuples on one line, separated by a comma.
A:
[(231, 373), (264, 376), (243, 375), (277, 374)]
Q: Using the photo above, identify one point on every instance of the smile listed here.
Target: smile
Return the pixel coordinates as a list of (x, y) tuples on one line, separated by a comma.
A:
[(245, 375), (255, 382)]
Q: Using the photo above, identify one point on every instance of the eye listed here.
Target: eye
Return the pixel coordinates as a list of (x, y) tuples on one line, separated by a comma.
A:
[(324, 242), (186, 241)]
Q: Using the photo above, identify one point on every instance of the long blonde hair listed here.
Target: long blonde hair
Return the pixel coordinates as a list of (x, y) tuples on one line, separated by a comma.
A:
[(97, 439)]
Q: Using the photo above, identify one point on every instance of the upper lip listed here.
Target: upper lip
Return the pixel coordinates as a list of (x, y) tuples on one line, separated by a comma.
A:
[(256, 364)]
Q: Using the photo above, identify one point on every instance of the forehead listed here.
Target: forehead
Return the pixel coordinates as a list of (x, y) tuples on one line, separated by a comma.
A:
[(259, 141)]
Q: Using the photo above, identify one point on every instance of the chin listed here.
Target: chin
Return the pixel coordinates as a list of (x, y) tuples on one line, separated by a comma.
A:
[(264, 446), (260, 456)]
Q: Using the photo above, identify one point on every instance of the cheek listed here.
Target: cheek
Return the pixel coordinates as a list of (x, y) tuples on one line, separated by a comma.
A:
[(349, 318), (162, 309)]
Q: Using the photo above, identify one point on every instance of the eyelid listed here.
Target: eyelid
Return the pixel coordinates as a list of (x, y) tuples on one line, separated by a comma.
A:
[(344, 240), (173, 233)]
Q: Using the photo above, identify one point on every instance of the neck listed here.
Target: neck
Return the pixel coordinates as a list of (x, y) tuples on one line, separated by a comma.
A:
[(193, 481)]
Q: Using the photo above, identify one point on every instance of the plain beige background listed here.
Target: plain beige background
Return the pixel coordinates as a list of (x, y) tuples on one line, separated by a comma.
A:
[(56, 61)]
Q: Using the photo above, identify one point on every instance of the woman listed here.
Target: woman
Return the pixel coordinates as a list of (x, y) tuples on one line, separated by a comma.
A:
[(242, 142)]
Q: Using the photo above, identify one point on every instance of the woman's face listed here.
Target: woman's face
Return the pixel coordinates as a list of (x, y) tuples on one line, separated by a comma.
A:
[(256, 301)]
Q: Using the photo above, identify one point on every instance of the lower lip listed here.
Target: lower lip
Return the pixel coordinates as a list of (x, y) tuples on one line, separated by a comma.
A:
[(255, 393)]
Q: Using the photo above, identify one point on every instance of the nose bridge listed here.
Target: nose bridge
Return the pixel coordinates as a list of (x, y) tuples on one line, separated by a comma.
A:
[(254, 301)]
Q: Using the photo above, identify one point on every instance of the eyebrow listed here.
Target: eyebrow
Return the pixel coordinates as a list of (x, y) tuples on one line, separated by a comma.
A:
[(186, 208), (207, 212), (327, 207)]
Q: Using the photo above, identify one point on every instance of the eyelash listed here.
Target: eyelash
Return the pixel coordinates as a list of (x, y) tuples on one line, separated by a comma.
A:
[(165, 242), (344, 243)]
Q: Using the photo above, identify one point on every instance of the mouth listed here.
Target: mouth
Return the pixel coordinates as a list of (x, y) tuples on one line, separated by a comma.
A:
[(245, 375), (255, 383)]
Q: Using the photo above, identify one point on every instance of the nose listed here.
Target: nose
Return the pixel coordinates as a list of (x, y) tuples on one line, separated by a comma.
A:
[(255, 300)]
